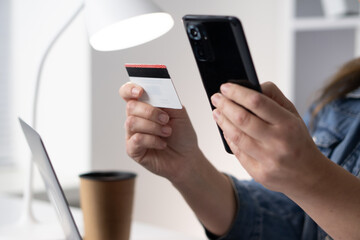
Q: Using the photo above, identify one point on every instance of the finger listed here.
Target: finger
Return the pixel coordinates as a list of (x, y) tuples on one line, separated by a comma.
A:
[(138, 144), (176, 113), (261, 105), (240, 117), (140, 125), (248, 163), (130, 91), (146, 111), (241, 140), (273, 92)]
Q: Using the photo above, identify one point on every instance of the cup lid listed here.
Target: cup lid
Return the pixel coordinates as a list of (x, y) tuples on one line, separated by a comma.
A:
[(108, 175)]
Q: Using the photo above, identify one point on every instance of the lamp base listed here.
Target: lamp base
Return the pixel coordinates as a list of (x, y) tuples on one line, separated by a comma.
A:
[(17, 222)]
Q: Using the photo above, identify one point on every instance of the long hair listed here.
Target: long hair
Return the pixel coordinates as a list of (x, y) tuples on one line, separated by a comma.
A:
[(346, 80)]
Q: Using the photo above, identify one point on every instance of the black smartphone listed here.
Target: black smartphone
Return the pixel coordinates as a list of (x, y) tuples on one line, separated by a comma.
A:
[(221, 52)]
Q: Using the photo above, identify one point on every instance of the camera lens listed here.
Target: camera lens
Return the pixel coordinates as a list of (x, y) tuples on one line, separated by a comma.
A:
[(194, 32)]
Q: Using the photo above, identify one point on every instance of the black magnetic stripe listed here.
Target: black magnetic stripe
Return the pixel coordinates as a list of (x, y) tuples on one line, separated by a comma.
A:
[(148, 72)]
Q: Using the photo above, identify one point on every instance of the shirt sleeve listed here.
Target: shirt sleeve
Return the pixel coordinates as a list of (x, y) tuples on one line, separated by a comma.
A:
[(262, 214)]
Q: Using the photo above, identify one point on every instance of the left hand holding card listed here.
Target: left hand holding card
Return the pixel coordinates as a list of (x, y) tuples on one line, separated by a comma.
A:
[(159, 91)]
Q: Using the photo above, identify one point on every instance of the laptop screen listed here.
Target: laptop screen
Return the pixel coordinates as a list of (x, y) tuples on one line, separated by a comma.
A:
[(53, 188)]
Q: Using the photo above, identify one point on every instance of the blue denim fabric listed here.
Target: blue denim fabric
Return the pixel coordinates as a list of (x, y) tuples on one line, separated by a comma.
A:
[(266, 215)]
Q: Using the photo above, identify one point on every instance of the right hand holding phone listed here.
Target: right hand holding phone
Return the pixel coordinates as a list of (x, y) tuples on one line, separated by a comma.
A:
[(162, 140), (269, 138)]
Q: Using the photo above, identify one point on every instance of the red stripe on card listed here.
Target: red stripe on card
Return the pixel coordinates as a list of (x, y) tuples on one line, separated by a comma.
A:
[(145, 65)]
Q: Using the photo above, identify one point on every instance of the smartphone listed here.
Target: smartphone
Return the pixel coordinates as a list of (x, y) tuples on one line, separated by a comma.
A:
[(222, 54)]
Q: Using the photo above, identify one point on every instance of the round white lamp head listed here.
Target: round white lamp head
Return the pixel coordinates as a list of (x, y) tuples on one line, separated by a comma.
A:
[(119, 24)]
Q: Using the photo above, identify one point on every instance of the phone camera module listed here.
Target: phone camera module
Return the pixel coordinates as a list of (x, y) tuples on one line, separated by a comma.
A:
[(194, 32)]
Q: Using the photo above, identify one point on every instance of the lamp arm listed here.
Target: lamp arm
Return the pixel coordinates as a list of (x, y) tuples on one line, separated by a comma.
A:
[(44, 57), (28, 190)]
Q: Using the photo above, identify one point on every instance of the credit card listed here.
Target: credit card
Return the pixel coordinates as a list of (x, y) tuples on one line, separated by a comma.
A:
[(159, 90)]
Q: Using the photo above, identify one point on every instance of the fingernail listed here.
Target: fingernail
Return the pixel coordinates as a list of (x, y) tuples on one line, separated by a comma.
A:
[(216, 114), (166, 130), (163, 118), (225, 88), (135, 92), (215, 99)]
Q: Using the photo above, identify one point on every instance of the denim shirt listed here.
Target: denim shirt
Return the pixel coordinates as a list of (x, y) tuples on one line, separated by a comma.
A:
[(267, 215)]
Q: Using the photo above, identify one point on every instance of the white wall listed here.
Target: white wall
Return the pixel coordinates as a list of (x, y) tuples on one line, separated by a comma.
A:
[(156, 200), (64, 112), (6, 140)]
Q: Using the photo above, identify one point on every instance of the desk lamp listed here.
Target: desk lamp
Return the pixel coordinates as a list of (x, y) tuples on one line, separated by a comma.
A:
[(112, 25)]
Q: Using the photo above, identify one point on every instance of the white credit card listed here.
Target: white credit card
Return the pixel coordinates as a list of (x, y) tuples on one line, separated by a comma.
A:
[(159, 91)]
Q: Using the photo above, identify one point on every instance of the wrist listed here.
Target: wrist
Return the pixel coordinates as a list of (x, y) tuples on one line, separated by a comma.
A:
[(315, 179), (189, 171), (332, 200), (210, 194)]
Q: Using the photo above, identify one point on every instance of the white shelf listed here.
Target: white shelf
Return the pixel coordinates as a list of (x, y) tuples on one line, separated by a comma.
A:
[(312, 48), (321, 23)]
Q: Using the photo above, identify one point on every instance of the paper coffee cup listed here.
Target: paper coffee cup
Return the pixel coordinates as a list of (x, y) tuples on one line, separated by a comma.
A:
[(106, 200)]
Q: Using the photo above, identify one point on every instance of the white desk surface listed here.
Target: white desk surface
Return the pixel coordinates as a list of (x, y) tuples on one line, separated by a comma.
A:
[(10, 211)]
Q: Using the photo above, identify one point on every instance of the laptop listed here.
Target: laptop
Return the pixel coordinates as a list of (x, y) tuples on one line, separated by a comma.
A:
[(53, 188)]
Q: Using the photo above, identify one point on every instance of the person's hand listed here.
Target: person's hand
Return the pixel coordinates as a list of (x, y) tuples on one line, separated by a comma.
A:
[(268, 137), (162, 140)]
